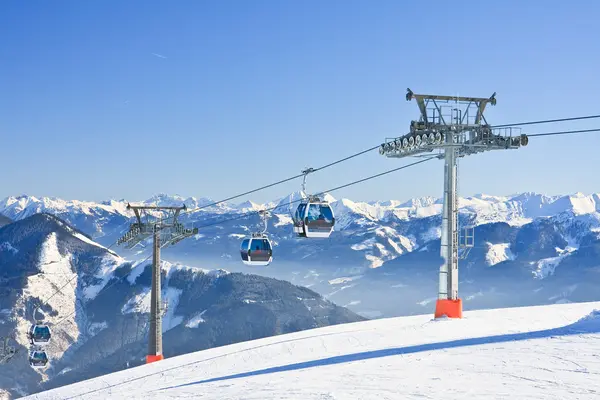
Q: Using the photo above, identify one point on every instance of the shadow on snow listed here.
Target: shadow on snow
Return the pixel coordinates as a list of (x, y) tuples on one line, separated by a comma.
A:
[(586, 325)]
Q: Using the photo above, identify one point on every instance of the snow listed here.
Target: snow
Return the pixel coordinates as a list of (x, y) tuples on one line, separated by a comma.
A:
[(375, 261), (546, 266), (137, 270), (96, 327), (56, 273), (344, 279), (196, 320), (391, 235), (546, 352), (87, 240), (140, 303), (171, 297), (283, 219), (582, 204), (249, 206), (433, 233), (364, 245), (107, 267), (24, 206), (371, 244), (516, 209), (169, 268), (498, 253)]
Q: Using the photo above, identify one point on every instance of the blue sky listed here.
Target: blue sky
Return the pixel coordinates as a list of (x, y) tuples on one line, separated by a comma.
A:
[(243, 93)]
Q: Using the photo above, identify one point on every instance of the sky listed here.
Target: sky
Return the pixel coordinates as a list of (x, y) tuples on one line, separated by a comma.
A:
[(124, 100)]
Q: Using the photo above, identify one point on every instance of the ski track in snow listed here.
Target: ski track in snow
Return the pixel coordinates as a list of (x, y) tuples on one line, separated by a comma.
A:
[(543, 352)]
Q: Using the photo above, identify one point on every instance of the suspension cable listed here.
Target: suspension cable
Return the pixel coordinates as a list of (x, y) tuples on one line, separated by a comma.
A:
[(247, 214), (281, 181), (244, 215), (367, 151), (547, 121), (563, 132)]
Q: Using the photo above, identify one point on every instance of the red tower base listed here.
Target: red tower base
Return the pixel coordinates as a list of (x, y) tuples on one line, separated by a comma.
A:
[(448, 308), (152, 358)]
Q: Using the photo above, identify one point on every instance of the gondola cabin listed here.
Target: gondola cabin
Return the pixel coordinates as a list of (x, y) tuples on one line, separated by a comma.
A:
[(39, 335), (313, 219), (38, 359), (257, 250)]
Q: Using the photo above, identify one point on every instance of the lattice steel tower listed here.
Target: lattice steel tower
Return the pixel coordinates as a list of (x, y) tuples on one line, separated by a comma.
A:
[(453, 127), (165, 231)]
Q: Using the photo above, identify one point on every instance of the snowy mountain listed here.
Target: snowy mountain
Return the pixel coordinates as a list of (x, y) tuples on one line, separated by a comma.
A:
[(97, 305), (382, 258), (548, 352)]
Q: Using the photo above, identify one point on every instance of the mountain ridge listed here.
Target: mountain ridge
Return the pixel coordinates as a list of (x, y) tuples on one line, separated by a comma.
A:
[(536, 204), (389, 247), (97, 305)]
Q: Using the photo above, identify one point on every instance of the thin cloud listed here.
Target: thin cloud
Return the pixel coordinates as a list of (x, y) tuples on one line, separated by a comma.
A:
[(158, 55)]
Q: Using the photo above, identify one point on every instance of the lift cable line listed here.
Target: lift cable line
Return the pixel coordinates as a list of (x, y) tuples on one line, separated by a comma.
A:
[(155, 318), (563, 132), (245, 215), (164, 234), (367, 151), (547, 121), (378, 146), (499, 140), (301, 175), (296, 201), (250, 213), (283, 180)]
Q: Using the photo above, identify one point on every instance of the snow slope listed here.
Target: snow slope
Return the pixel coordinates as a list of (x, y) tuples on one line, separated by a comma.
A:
[(544, 352), (55, 272)]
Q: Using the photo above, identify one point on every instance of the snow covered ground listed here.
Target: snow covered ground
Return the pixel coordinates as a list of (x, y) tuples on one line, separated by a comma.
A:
[(546, 352)]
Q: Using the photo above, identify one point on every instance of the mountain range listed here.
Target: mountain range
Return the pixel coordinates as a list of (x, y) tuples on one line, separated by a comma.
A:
[(383, 256), (97, 304)]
